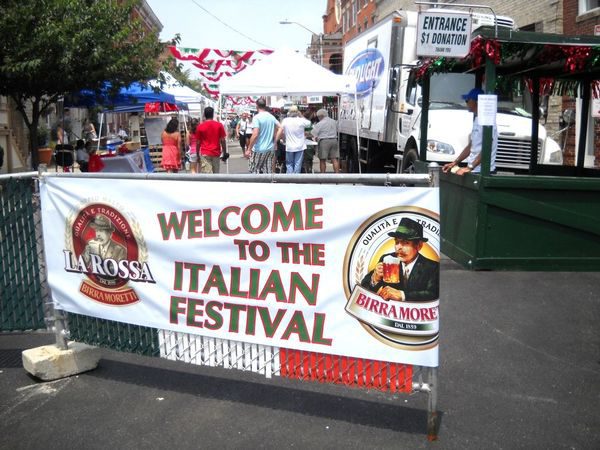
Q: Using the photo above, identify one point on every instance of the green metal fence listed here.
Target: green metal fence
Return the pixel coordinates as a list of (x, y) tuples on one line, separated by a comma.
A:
[(114, 335), (22, 295)]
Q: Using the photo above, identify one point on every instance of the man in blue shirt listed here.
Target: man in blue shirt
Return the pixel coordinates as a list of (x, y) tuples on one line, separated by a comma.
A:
[(262, 142)]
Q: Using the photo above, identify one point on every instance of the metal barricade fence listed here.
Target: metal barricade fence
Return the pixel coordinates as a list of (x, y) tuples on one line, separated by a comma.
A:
[(27, 307)]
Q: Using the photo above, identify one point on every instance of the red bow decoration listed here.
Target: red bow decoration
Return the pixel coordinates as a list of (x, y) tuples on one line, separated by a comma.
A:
[(481, 47), (576, 58)]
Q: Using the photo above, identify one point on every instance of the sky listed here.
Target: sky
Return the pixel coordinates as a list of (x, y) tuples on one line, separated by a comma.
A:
[(240, 24)]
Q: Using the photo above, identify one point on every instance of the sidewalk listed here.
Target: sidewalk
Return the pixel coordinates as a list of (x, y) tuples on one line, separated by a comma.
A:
[(519, 368)]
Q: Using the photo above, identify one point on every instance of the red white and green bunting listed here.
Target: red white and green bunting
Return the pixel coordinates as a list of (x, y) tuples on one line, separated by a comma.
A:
[(214, 64)]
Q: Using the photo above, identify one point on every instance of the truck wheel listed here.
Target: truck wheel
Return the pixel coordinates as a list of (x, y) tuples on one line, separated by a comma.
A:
[(408, 162)]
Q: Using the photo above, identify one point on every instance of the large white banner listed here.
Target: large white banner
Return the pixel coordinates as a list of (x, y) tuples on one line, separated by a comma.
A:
[(345, 270)]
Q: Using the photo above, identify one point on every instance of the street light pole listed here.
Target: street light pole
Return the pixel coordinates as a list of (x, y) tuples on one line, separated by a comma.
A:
[(320, 35)]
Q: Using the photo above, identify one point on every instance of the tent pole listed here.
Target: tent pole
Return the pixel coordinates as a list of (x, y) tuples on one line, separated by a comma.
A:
[(357, 130), (100, 131)]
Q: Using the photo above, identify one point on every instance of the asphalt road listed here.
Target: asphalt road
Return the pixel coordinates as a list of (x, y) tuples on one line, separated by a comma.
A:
[(520, 368)]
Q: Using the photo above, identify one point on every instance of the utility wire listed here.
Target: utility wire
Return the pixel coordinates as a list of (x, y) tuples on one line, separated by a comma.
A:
[(227, 25)]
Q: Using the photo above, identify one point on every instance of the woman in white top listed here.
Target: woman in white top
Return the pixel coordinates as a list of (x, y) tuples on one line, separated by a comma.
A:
[(240, 131), (294, 126)]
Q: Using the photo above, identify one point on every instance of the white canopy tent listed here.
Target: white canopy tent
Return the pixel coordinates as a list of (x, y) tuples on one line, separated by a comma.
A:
[(287, 73)]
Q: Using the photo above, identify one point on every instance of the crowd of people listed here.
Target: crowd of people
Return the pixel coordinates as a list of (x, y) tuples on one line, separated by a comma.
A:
[(271, 142)]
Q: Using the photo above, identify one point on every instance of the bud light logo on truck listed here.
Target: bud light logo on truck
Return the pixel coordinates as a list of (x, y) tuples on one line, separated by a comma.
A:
[(367, 68)]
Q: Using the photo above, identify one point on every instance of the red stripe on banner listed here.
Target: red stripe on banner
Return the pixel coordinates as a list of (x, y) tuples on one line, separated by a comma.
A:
[(393, 377), (294, 362), (376, 374), (353, 372), (313, 366), (290, 363), (360, 373), (383, 370), (343, 369), (283, 362), (329, 368), (336, 370), (306, 365), (321, 368), (369, 373)]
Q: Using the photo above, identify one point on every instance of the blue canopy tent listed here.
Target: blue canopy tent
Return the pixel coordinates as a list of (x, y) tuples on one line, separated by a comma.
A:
[(130, 99), (134, 98)]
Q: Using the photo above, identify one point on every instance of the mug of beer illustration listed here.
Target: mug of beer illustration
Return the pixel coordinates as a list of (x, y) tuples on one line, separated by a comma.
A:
[(391, 269)]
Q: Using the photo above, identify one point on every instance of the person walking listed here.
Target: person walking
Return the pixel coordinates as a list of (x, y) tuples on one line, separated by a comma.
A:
[(325, 133), (262, 142), (240, 131), (473, 149), (193, 145), (293, 128), (171, 145), (211, 136)]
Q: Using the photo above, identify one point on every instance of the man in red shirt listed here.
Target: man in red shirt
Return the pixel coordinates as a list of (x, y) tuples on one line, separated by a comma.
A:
[(210, 140)]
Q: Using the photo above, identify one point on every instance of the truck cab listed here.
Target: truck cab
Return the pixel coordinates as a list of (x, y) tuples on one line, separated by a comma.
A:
[(450, 123), (381, 130)]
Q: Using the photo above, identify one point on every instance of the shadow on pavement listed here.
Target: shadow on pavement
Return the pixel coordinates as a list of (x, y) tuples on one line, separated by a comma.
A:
[(323, 405)]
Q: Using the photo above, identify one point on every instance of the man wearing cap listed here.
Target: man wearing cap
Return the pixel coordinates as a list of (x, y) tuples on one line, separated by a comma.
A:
[(473, 149), (292, 127), (325, 132), (103, 245), (419, 276)]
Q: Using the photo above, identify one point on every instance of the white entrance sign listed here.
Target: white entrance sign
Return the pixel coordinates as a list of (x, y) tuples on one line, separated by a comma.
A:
[(290, 267), (443, 34)]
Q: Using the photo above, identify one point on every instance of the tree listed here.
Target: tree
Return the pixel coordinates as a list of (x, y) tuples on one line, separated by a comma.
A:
[(49, 48)]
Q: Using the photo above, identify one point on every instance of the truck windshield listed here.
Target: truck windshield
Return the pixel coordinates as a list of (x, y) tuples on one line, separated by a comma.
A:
[(447, 89)]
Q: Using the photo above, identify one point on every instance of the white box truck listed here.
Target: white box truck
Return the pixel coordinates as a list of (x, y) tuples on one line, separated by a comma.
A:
[(389, 106)]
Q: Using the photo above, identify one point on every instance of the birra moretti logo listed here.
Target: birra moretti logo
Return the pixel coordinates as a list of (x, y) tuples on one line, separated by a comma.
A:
[(103, 245), (367, 68)]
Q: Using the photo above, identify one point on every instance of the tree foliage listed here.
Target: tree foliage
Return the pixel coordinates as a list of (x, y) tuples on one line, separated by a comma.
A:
[(49, 48)]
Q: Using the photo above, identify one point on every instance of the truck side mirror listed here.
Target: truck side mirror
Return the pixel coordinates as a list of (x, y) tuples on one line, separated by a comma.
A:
[(393, 85)]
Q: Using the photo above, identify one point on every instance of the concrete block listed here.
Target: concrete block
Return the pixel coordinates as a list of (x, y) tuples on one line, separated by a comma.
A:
[(51, 363)]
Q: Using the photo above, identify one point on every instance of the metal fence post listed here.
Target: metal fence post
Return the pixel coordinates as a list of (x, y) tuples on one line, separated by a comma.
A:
[(434, 173), (432, 414), (56, 317)]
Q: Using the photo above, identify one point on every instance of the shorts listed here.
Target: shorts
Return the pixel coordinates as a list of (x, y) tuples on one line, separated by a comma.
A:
[(261, 162), (193, 157), (210, 164), (328, 149)]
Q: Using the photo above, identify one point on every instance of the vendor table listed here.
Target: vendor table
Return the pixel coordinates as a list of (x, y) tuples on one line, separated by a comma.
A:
[(128, 163)]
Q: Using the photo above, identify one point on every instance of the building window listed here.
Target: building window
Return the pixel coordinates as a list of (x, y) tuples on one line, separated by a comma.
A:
[(537, 27), (588, 5)]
